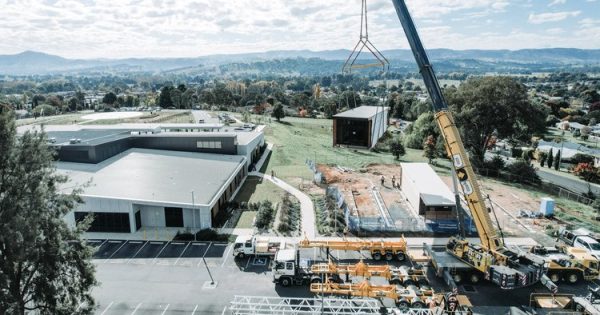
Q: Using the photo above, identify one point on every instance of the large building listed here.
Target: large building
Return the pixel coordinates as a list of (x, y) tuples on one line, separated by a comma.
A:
[(360, 127), (136, 176)]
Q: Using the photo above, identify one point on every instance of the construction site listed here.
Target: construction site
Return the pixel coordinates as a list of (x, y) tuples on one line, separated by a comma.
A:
[(417, 241)]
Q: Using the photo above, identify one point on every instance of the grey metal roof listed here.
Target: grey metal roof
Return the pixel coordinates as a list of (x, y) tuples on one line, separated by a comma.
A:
[(155, 176), (361, 112)]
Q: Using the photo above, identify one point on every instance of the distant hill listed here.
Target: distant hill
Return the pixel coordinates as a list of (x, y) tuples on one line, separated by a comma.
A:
[(30, 62)]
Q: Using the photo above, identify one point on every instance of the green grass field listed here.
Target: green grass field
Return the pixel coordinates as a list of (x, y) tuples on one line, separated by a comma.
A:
[(246, 220), (256, 189), (297, 139)]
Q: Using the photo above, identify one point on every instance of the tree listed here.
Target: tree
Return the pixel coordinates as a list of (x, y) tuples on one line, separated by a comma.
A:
[(418, 132), (542, 156), (429, 148), (397, 148), (550, 158), (278, 112), (164, 99), (494, 106), (73, 104), (109, 98), (45, 265), (557, 160)]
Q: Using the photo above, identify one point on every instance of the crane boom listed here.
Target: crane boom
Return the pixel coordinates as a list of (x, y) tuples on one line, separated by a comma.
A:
[(464, 170), (499, 264)]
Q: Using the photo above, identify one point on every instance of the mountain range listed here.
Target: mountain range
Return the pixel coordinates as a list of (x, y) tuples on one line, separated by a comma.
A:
[(31, 62)]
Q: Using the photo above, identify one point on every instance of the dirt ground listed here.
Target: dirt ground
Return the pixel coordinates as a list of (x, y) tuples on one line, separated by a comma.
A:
[(507, 201), (357, 184)]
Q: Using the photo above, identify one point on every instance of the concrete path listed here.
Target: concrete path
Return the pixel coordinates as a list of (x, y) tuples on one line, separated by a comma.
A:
[(307, 208)]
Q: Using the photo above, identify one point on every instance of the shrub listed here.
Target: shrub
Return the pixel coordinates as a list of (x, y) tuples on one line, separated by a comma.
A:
[(289, 215), (45, 110), (397, 148), (265, 215), (582, 158), (587, 172), (524, 171)]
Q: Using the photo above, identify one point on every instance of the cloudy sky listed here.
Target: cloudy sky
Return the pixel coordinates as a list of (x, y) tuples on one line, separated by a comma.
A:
[(186, 28)]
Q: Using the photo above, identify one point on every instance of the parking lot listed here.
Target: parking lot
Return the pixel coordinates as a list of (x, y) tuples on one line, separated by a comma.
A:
[(159, 277), (180, 253)]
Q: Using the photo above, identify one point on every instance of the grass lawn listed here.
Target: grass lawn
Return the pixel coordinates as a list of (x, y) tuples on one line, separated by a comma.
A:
[(255, 189), (297, 139), (246, 220)]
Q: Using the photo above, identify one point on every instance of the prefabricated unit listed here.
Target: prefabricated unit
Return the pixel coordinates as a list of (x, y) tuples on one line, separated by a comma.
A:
[(360, 127)]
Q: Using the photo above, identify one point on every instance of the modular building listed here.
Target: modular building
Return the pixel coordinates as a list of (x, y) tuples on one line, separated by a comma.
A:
[(360, 127), (425, 191)]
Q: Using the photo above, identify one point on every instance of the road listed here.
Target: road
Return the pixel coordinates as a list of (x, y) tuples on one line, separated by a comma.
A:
[(575, 185)]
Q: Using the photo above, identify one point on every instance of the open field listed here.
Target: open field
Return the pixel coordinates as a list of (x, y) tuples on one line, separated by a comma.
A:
[(296, 140)]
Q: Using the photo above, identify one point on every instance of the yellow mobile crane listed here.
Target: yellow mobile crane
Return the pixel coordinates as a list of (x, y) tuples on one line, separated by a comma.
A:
[(492, 258)]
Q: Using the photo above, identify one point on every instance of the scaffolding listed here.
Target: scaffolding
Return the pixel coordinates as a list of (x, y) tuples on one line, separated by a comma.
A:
[(263, 305)]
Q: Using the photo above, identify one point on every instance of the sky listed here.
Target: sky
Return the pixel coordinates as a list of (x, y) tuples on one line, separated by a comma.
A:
[(169, 28)]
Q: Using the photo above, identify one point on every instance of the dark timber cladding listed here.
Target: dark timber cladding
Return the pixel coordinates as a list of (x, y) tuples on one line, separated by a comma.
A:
[(360, 127)]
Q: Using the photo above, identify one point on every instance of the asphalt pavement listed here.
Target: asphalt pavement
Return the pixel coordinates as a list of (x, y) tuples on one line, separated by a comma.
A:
[(574, 185)]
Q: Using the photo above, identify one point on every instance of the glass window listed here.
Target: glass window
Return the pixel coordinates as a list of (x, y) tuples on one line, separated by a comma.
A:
[(218, 144), (289, 266)]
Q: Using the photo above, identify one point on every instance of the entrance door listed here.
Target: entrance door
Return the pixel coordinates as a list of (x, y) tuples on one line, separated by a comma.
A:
[(173, 217), (138, 220)]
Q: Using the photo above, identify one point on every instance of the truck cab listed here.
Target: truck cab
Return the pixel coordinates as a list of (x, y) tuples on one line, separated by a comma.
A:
[(288, 270), (247, 245)]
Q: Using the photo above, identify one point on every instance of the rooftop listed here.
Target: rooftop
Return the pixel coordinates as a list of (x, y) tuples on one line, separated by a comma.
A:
[(361, 112), (158, 176), (96, 134), (432, 189)]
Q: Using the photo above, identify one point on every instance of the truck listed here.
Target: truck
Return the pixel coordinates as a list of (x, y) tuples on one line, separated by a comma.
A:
[(544, 303), (581, 238), (246, 245), (289, 270), (569, 264)]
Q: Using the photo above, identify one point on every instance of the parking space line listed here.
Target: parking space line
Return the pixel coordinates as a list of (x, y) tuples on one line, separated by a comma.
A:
[(195, 308), (224, 309), (125, 242), (247, 263), (106, 309), (166, 308), (136, 308), (186, 247), (207, 248), (226, 255), (132, 257), (161, 250), (204, 254)]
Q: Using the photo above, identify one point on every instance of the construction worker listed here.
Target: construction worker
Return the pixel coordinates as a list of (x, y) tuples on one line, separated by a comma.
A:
[(393, 181), (382, 180)]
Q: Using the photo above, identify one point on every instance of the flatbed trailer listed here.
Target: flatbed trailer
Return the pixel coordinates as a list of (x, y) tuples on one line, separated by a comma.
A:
[(388, 250)]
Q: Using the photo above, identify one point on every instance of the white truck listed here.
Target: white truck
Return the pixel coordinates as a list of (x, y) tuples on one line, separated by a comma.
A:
[(246, 245), (581, 238)]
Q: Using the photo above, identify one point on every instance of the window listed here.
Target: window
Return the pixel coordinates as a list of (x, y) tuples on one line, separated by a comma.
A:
[(218, 144), (211, 144), (106, 221), (289, 266), (173, 217)]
